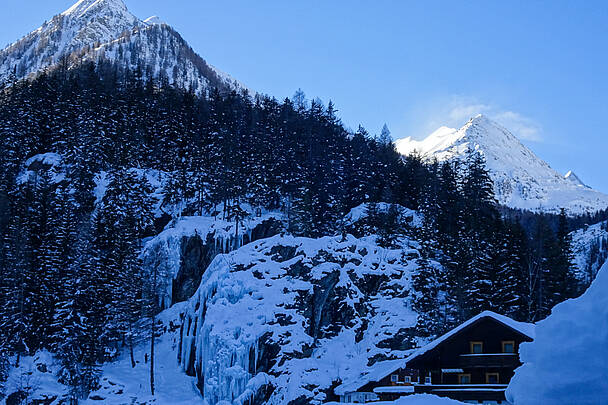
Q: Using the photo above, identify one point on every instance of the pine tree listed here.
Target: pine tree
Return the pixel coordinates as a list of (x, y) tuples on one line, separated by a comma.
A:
[(427, 284), (563, 281), (390, 227)]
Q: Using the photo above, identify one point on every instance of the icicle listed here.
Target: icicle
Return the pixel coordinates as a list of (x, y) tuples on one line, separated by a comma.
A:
[(255, 363)]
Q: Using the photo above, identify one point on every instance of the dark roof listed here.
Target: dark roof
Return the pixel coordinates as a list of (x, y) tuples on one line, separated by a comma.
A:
[(525, 329)]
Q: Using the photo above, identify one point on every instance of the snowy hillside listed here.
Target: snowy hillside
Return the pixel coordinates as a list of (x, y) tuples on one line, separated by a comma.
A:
[(85, 24), (521, 179), (571, 342), (590, 248), (182, 252), (287, 317), (98, 30), (36, 378)]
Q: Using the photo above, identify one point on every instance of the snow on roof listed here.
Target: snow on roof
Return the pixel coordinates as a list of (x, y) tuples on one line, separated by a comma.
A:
[(526, 329), (377, 372), (394, 389), (382, 369)]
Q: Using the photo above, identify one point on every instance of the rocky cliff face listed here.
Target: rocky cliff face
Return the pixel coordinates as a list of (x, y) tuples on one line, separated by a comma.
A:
[(590, 248), (287, 317), (197, 254), (182, 252)]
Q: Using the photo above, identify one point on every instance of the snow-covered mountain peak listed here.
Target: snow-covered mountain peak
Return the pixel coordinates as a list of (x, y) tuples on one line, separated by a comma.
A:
[(102, 31), (521, 179), (481, 119), (154, 20), (85, 8), (86, 23), (572, 177)]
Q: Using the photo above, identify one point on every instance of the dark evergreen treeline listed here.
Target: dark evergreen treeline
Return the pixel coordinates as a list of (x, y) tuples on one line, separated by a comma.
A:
[(489, 262), (71, 278)]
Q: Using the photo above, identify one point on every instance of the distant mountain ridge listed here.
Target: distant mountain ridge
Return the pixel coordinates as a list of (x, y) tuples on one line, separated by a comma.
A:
[(105, 30), (521, 179)]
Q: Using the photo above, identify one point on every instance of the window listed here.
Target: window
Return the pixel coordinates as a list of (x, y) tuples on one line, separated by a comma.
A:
[(508, 346), (394, 378), (408, 379), (464, 378), (492, 378), (427, 380), (476, 347)]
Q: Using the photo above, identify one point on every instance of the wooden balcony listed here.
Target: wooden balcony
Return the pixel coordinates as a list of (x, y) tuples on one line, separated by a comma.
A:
[(489, 360)]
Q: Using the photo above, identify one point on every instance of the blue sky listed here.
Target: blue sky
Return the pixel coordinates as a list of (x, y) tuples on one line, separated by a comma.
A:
[(540, 68)]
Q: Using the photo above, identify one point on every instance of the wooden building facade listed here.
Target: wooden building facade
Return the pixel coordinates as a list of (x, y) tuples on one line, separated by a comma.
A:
[(473, 363)]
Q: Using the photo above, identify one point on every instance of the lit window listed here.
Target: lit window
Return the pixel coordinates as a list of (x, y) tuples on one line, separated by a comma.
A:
[(427, 380), (394, 378), (408, 379), (464, 378), (476, 347), (492, 378), (508, 346)]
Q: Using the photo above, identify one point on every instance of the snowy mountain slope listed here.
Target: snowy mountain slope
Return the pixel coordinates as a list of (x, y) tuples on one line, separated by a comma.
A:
[(96, 30), (590, 248), (85, 24), (521, 179), (162, 54), (573, 178), (286, 318)]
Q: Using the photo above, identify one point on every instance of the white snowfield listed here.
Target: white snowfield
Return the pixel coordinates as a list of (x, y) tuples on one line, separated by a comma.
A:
[(521, 179), (568, 361)]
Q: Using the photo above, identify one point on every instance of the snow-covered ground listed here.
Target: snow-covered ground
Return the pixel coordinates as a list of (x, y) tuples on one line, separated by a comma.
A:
[(568, 361), (36, 376), (411, 217), (120, 382), (521, 179), (418, 399)]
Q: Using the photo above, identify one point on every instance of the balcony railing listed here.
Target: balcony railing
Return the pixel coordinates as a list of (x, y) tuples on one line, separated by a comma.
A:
[(489, 360)]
